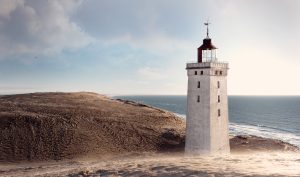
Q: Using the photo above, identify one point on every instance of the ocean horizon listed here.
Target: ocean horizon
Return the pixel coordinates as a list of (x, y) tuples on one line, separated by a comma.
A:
[(275, 117)]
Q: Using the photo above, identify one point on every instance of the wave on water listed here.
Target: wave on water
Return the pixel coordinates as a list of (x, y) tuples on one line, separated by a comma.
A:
[(265, 132), (180, 115), (267, 117), (260, 131)]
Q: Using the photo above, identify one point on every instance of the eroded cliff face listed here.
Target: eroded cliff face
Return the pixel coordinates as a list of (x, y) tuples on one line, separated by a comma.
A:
[(42, 126)]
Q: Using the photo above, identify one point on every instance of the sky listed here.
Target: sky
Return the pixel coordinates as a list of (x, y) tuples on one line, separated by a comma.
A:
[(141, 47)]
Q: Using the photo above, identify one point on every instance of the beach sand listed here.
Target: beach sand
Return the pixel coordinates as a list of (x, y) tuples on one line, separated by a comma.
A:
[(148, 164)]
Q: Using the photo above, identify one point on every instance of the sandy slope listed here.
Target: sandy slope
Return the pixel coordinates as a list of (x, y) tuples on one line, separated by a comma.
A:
[(44, 126)]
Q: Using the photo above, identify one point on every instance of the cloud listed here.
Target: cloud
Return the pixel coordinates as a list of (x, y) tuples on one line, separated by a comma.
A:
[(152, 25), (45, 26), (39, 27)]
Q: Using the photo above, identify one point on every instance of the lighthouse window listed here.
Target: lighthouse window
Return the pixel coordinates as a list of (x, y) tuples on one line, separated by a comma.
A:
[(201, 72), (216, 72), (219, 100), (218, 84), (221, 72), (219, 112), (198, 84), (195, 72), (198, 99)]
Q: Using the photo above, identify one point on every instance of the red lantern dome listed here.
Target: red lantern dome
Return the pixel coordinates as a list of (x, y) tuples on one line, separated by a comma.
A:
[(207, 51)]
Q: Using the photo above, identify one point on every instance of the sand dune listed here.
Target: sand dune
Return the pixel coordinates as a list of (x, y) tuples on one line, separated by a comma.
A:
[(43, 126), (60, 134)]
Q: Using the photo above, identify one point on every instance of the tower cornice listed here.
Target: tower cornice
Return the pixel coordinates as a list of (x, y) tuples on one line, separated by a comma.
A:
[(207, 65)]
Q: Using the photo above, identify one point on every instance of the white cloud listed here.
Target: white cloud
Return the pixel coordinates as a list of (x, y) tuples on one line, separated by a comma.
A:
[(39, 27), (7, 6)]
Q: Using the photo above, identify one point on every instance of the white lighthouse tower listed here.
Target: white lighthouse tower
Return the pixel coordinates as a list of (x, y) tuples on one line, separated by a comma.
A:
[(207, 104)]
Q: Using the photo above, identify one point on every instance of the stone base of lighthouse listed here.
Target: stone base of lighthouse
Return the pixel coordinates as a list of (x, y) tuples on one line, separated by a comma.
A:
[(207, 109)]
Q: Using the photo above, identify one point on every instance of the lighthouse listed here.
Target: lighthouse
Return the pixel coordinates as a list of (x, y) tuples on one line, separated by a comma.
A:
[(207, 103)]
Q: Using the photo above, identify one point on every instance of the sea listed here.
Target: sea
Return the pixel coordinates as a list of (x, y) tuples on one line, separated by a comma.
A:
[(276, 117)]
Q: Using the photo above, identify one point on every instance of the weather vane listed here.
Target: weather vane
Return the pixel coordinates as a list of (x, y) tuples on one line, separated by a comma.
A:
[(207, 31)]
